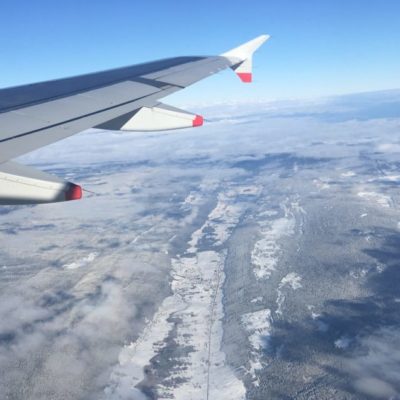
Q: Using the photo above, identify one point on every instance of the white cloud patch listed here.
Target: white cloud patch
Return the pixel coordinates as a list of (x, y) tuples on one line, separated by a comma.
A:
[(389, 147), (258, 325), (62, 348), (291, 280), (376, 372)]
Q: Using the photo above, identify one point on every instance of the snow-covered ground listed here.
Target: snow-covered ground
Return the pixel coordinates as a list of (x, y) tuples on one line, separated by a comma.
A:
[(220, 221), (289, 281), (265, 255), (197, 279), (258, 326)]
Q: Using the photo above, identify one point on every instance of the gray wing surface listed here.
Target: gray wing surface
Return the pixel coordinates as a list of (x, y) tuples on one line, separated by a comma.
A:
[(33, 116), (36, 115)]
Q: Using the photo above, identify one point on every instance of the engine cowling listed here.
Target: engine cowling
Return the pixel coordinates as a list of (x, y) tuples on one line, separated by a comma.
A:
[(161, 118), (158, 118), (20, 184)]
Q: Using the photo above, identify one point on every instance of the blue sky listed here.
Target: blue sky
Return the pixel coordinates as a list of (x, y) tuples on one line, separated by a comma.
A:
[(318, 47)]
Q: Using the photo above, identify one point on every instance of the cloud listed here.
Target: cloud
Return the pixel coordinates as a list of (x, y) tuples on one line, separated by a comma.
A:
[(376, 371), (62, 350), (389, 148), (234, 128), (375, 388)]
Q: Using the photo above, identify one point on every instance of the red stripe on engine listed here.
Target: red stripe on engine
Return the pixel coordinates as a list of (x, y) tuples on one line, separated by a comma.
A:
[(73, 193), (198, 120)]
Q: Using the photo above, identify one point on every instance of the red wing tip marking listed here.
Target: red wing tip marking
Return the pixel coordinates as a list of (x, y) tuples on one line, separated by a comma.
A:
[(245, 77), (73, 193), (198, 120)]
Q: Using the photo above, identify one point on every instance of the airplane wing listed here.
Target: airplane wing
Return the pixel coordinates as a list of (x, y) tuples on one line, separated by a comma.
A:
[(33, 116)]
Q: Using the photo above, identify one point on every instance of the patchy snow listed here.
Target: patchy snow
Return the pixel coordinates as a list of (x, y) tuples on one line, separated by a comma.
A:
[(82, 262), (258, 325), (315, 315), (380, 268), (360, 273), (265, 254), (220, 221), (256, 299), (317, 318), (191, 199), (343, 342), (291, 280)]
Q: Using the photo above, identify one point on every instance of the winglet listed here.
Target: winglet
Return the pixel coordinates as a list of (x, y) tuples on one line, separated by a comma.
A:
[(241, 57)]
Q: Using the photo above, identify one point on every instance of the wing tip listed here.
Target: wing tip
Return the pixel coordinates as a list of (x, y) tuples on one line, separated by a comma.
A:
[(247, 49), (245, 77)]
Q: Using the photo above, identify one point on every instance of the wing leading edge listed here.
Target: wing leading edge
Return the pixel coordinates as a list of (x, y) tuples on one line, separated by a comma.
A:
[(33, 116)]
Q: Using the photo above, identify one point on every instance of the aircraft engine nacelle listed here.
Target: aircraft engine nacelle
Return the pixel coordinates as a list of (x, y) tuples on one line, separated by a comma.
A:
[(20, 184), (158, 118), (161, 118)]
